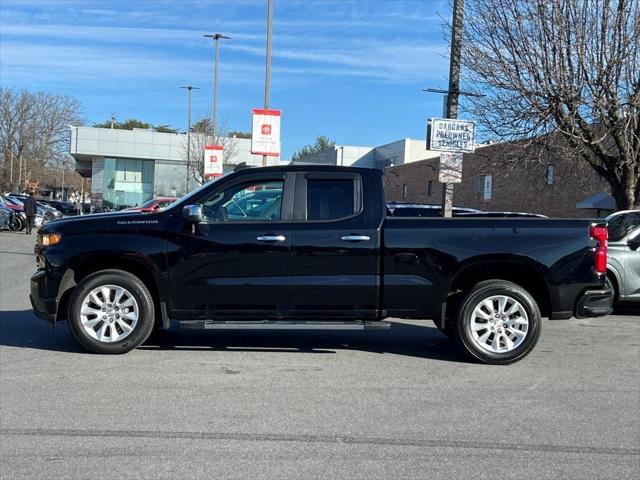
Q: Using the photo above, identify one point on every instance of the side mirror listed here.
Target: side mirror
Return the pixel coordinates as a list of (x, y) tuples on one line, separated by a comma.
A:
[(192, 213), (634, 243)]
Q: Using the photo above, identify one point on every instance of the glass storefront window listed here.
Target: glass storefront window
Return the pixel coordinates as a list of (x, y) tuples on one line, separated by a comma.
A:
[(170, 179), (127, 182)]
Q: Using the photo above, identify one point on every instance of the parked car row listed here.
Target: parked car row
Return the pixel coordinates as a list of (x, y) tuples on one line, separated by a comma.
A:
[(6, 218), (18, 220), (65, 208), (47, 211)]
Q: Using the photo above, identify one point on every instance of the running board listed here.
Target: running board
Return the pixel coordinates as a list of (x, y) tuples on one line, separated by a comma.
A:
[(283, 325)]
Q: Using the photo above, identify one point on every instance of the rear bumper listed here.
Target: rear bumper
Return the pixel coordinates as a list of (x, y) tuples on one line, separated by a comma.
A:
[(594, 303)]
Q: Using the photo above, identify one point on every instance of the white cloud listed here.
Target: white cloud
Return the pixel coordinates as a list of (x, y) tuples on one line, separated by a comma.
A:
[(391, 59), (21, 60)]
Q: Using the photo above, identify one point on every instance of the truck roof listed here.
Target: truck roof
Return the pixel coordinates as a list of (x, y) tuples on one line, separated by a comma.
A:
[(296, 167)]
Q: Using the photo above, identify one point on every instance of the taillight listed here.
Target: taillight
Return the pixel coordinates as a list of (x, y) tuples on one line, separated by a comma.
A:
[(600, 234)]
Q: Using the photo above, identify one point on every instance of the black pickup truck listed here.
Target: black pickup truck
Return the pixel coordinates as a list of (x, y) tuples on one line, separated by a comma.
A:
[(313, 247)]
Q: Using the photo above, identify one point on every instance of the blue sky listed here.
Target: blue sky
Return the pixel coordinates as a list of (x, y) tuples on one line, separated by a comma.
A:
[(351, 70)]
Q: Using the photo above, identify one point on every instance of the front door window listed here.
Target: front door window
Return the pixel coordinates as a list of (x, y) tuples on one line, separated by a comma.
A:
[(257, 201)]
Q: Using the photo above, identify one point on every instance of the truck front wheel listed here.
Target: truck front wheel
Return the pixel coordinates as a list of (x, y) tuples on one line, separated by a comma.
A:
[(498, 322), (111, 311)]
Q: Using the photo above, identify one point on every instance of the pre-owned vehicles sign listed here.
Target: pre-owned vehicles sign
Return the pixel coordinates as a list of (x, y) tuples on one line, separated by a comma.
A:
[(265, 133), (451, 135)]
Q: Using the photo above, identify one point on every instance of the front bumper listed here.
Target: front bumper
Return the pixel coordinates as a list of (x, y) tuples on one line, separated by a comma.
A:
[(44, 307), (594, 303)]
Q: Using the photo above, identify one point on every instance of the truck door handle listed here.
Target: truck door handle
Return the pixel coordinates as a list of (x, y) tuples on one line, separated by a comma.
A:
[(355, 238), (271, 238)]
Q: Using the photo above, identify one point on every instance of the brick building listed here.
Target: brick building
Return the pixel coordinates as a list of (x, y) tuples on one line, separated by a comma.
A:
[(493, 180)]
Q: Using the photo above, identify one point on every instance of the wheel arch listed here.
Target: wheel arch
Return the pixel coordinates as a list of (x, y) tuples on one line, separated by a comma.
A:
[(81, 269), (616, 279), (521, 271)]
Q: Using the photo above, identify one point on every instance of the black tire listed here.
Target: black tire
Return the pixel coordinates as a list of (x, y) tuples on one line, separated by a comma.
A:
[(482, 291), (611, 284), (140, 293), (16, 224)]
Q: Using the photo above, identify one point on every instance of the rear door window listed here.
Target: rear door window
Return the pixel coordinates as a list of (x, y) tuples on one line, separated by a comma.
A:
[(331, 198)]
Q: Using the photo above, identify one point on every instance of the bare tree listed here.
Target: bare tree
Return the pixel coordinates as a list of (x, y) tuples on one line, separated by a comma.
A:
[(200, 137), (562, 71), (34, 135)]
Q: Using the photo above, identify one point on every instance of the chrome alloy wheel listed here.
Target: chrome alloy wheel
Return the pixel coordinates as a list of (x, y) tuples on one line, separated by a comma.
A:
[(109, 313), (499, 324)]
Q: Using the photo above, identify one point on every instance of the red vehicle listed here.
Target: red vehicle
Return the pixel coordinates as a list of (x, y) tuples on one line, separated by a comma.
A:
[(153, 205)]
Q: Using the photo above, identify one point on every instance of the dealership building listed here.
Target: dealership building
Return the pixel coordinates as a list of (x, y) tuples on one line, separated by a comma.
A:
[(129, 167), (400, 152)]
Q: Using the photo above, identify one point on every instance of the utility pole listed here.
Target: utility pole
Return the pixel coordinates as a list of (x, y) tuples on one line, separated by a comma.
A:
[(214, 125), (11, 169), (82, 196), (267, 76), (454, 90), (63, 165), (189, 88)]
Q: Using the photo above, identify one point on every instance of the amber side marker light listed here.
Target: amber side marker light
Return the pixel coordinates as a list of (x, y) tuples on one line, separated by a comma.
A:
[(49, 239)]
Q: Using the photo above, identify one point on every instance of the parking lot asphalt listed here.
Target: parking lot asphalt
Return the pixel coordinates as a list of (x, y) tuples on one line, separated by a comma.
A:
[(404, 403)]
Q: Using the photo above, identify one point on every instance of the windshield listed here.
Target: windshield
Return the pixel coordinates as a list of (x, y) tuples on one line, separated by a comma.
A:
[(148, 203), (186, 199), (621, 225)]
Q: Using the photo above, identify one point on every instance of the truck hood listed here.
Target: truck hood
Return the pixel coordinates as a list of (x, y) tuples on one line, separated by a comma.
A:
[(111, 222)]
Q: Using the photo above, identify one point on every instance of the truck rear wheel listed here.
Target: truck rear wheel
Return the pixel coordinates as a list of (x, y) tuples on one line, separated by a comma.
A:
[(498, 322), (111, 311)]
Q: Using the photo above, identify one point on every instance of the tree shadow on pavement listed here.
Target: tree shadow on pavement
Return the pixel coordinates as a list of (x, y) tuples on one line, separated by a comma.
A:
[(23, 329)]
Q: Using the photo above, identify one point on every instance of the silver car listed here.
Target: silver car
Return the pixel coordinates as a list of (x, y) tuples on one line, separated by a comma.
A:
[(623, 261)]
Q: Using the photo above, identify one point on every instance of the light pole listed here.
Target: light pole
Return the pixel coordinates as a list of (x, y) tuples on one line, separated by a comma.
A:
[(189, 88), (63, 165), (215, 37), (267, 73)]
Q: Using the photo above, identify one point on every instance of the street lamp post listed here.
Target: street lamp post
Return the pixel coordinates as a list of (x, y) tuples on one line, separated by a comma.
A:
[(189, 88), (63, 165), (215, 37), (267, 74)]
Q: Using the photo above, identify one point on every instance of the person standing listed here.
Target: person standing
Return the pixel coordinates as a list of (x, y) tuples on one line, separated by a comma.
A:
[(30, 211)]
